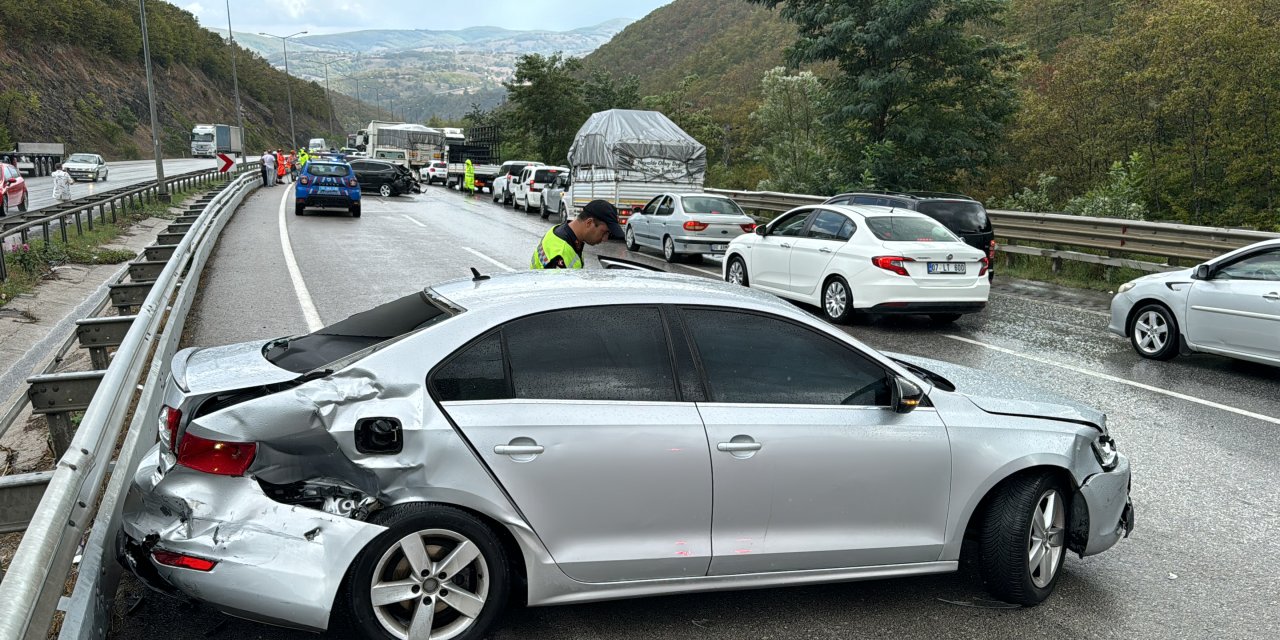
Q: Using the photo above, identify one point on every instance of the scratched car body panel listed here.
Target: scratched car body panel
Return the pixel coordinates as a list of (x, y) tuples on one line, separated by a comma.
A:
[(424, 448)]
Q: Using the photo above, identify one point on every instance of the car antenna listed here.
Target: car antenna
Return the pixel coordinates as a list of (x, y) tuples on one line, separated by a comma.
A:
[(477, 276)]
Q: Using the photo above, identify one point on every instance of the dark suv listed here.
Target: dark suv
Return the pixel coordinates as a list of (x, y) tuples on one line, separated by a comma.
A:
[(963, 215)]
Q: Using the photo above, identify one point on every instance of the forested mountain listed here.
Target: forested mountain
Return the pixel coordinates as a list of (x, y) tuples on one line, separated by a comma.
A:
[(72, 72)]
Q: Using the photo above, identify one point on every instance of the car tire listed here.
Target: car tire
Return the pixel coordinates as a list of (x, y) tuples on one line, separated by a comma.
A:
[(837, 300), (629, 238), (385, 191), (736, 272), (495, 196), (4, 206), (1153, 332), (564, 215), (1014, 529), (944, 318), (542, 210), (436, 531), (355, 211), (25, 202), (669, 250), (298, 209)]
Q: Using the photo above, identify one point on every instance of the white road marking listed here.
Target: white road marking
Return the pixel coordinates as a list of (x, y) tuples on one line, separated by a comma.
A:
[(1118, 380), (487, 259), (309, 312), (410, 219)]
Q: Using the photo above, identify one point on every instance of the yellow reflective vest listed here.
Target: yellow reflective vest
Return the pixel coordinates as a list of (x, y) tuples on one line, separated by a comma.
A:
[(551, 247)]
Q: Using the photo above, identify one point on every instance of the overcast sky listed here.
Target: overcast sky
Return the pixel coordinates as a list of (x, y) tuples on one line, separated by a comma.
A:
[(331, 16)]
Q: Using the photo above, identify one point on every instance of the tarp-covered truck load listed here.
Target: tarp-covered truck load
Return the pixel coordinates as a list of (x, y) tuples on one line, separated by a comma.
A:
[(627, 157)]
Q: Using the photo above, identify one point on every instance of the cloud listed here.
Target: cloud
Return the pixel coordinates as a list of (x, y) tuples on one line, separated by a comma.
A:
[(195, 8)]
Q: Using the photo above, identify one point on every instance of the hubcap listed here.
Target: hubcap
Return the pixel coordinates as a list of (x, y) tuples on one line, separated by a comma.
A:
[(735, 272), (385, 190), (1151, 332), (1048, 538), (430, 585), (835, 299)]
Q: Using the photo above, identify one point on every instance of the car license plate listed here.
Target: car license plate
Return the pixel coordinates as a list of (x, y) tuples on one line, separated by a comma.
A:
[(719, 248), (328, 189), (946, 267)]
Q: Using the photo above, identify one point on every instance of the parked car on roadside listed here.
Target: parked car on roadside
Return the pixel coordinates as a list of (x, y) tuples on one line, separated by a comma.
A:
[(504, 183), (411, 470), (327, 184), (383, 178), (687, 225), (528, 189), (13, 189), (964, 216), (1229, 306), (86, 167), (435, 172), (850, 259), (554, 197)]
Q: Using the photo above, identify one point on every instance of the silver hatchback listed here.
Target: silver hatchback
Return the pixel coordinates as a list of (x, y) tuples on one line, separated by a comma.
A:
[(687, 224), (412, 469)]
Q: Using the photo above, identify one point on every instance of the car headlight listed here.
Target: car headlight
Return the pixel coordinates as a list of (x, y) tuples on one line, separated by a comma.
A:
[(1127, 286), (1104, 448)]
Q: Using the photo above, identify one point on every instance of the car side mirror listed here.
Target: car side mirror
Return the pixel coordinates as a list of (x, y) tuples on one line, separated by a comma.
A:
[(1202, 272), (762, 230), (906, 395)]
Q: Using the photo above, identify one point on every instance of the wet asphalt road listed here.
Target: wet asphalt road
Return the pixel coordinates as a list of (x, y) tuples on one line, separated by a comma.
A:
[(1202, 562), (119, 174)]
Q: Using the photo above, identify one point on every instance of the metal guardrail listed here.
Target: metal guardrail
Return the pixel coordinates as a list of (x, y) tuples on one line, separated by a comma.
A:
[(37, 577), (1173, 242), (81, 210)]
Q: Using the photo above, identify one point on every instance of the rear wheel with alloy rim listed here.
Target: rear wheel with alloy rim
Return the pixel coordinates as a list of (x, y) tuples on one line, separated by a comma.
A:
[(630, 236), (1154, 333), (1024, 539), (669, 249), (837, 302), (436, 573), (737, 272)]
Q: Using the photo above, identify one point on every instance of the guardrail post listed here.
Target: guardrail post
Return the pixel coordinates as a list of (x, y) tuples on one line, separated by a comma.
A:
[(56, 396), (46, 232), (99, 334), (62, 226), (88, 217)]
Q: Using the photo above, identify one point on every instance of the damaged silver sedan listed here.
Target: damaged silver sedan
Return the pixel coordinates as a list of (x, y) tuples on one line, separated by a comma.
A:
[(555, 437)]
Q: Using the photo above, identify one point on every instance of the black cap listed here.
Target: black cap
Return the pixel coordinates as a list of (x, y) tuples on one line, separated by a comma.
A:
[(604, 211)]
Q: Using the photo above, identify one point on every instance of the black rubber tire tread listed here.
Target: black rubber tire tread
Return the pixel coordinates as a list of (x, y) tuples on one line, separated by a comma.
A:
[(1003, 540), (1171, 347), (542, 210), (353, 611), (355, 212), (298, 209)]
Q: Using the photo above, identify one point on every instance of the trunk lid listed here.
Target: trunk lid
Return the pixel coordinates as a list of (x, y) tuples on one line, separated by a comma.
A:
[(202, 371), (922, 254)]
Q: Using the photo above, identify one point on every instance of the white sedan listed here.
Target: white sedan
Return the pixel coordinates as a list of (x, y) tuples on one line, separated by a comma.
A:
[(1229, 306), (862, 258)]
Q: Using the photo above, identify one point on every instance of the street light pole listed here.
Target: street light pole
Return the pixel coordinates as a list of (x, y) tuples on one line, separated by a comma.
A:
[(288, 84), (235, 81), (162, 189)]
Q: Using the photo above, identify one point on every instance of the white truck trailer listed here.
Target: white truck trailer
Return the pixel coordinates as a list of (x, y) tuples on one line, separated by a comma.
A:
[(208, 140), (35, 159)]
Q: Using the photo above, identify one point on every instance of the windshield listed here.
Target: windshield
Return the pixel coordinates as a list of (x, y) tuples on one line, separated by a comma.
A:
[(909, 229), (322, 169), (359, 332), (390, 155), (82, 157), (202, 137), (960, 216), (710, 204)]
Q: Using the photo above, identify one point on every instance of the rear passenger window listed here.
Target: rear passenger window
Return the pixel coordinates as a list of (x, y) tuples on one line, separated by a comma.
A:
[(827, 226), (475, 374), (599, 353)]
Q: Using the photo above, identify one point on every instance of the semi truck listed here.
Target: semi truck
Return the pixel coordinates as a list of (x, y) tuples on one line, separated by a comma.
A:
[(34, 159), (208, 140), (479, 145)]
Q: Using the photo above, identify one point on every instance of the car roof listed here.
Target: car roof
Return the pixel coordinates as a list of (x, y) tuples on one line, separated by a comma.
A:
[(869, 211), (551, 167), (522, 292)]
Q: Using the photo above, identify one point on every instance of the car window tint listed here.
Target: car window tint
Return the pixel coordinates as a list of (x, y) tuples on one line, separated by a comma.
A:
[(960, 216), (871, 200), (791, 226), (690, 380), (477, 373), (751, 358), (826, 226), (909, 229), (652, 208), (599, 353), (1262, 266), (322, 169), (846, 230), (710, 204)]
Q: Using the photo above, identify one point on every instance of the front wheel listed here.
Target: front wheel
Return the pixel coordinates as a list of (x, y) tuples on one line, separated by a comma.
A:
[(737, 272), (1024, 539), (355, 211), (564, 215), (385, 191), (837, 302), (542, 211), (436, 572), (1154, 333)]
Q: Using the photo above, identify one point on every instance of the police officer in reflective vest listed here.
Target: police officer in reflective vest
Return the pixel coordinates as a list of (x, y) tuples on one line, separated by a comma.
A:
[(562, 247)]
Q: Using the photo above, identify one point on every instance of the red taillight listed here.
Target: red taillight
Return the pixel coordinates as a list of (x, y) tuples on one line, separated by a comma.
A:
[(991, 250), (694, 225), (353, 182), (170, 418), (304, 180), (986, 266), (749, 227), (896, 264), (531, 183), (172, 559), (216, 456)]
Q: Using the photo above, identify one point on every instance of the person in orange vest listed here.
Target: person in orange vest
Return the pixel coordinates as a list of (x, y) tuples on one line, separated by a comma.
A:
[(282, 169)]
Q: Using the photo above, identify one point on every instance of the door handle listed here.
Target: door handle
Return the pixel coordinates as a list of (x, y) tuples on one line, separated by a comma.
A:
[(734, 447), (518, 449), (1272, 296), (785, 246), (824, 250)]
